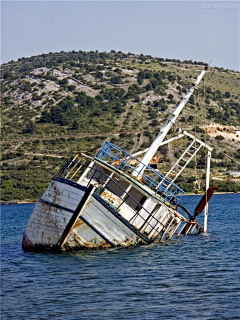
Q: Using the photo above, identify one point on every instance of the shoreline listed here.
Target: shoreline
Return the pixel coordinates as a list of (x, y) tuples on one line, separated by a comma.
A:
[(16, 202), (32, 201), (215, 193)]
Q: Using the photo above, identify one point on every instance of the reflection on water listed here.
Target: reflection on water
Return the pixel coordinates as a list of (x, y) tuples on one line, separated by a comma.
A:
[(194, 277)]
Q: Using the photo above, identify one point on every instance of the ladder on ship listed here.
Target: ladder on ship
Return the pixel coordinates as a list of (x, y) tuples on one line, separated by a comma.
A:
[(181, 163)]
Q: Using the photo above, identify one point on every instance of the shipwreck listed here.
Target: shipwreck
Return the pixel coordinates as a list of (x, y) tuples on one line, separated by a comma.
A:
[(116, 200)]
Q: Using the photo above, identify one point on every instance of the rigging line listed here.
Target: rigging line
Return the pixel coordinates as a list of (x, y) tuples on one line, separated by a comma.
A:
[(211, 74)]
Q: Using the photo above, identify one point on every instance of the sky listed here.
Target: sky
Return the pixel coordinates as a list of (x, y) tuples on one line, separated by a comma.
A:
[(192, 30)]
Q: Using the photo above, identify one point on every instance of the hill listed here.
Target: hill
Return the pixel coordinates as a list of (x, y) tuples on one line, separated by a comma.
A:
[(57, 104)]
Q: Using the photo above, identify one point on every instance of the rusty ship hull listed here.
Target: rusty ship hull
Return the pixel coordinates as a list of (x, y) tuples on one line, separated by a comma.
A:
[(99, 225)]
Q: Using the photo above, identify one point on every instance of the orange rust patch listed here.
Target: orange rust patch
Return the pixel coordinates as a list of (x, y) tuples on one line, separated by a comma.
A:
[(155, 159), (115, 162), (77, 224)]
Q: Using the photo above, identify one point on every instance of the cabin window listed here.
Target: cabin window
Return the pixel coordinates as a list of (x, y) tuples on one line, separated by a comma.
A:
[(118, 187), (138, 197), (101, 175)]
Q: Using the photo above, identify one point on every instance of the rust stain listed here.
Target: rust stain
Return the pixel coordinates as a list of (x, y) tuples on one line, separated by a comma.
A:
[(88, 203), (155, 159), (115, 242), (75, 241), (116, 162), (106, 195), (77, 224), (128, 242)]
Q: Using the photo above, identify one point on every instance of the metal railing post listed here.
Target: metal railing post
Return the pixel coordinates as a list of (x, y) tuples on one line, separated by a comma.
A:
[(207, 186)]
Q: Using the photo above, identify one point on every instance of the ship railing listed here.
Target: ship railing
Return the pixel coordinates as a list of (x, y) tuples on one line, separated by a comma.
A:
[(127, 163), (149, 221)]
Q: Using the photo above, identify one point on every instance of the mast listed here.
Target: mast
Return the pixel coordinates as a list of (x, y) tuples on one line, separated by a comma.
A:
[(166, 127)]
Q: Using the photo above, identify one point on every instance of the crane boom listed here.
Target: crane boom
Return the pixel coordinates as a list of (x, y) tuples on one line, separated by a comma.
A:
[(166, 127)]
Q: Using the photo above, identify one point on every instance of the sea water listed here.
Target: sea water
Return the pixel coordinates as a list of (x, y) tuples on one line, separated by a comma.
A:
[(193, 277)]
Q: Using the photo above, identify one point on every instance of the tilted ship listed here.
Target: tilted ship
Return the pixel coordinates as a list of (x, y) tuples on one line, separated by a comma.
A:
[(117, 200)]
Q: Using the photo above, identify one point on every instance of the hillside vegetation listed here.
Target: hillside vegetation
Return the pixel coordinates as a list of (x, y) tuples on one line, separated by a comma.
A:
[(55, 105)]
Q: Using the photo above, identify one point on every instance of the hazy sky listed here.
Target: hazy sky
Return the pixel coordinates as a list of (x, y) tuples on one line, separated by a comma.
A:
[(197, 30)]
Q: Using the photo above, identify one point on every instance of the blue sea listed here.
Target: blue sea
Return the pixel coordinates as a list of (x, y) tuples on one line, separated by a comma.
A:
[(193, 277)]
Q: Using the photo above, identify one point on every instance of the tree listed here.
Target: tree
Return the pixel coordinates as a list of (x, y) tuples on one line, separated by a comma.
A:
[(183, 119), (219, 138), (99, 75), (71, 88), (30, 127), (81, 99), (46, 117), (227, 94), (191, 100), (221, 155), (154, 123), (63, 82), (75, 125), (66, 103), (171, 78), (149, 87), (116, 80), (136, 98), (207, 100), (154, 83)]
